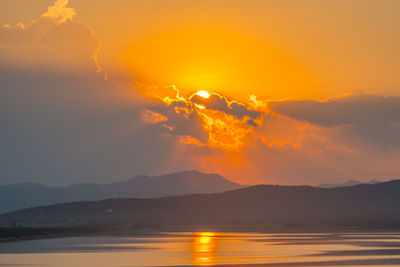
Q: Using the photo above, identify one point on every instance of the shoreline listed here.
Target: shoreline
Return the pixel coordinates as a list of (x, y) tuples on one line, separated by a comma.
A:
[(35, 233)]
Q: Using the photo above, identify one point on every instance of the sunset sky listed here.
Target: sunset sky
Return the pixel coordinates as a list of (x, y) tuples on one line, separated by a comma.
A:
[(281, 92)]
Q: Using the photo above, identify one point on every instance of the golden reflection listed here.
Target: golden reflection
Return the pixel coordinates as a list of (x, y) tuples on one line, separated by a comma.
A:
[(204, 248)]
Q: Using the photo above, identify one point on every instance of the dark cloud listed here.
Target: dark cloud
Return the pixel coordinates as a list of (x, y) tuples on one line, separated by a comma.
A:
[(221, 103), (370, 117), (182, 119), (251, 123)]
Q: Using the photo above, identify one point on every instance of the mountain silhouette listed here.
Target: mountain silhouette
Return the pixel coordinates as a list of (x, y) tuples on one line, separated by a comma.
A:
[(24, 195), (363, 205)]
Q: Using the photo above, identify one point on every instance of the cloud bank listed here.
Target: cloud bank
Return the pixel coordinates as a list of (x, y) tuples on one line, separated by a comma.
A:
[(372, 118)]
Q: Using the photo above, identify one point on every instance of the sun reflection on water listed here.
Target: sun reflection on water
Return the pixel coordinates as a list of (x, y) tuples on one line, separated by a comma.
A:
[(204, 248)]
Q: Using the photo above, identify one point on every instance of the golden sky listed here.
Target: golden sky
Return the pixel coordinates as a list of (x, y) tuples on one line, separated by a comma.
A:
[(294, 91)]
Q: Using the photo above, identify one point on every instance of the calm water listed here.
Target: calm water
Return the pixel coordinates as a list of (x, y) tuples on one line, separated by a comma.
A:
[(207, 248)]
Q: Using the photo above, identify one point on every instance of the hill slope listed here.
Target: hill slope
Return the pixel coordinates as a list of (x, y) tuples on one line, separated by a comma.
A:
[(24, 195), (360, 205)]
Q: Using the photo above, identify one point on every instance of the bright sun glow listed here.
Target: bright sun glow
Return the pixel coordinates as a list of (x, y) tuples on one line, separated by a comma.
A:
[(203, 94)]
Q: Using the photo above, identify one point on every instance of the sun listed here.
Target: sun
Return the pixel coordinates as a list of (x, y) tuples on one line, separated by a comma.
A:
[(203, 94)]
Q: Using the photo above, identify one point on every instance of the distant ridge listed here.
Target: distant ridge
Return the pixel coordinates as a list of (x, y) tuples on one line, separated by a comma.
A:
[(24, 195), (360, 206), (347, 183)]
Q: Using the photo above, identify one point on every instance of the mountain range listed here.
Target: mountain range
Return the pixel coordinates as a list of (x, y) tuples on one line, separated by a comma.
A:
[(365, 205), (24, 195)]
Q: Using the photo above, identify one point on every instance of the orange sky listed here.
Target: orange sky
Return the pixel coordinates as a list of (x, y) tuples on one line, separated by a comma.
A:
[(297, 89)]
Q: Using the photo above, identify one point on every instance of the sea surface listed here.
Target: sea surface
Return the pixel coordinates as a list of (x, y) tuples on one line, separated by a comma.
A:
[(207, 249)]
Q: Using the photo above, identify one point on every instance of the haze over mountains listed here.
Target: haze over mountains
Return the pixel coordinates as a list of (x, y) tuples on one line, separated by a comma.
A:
[(24, 195), (363, 205)]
